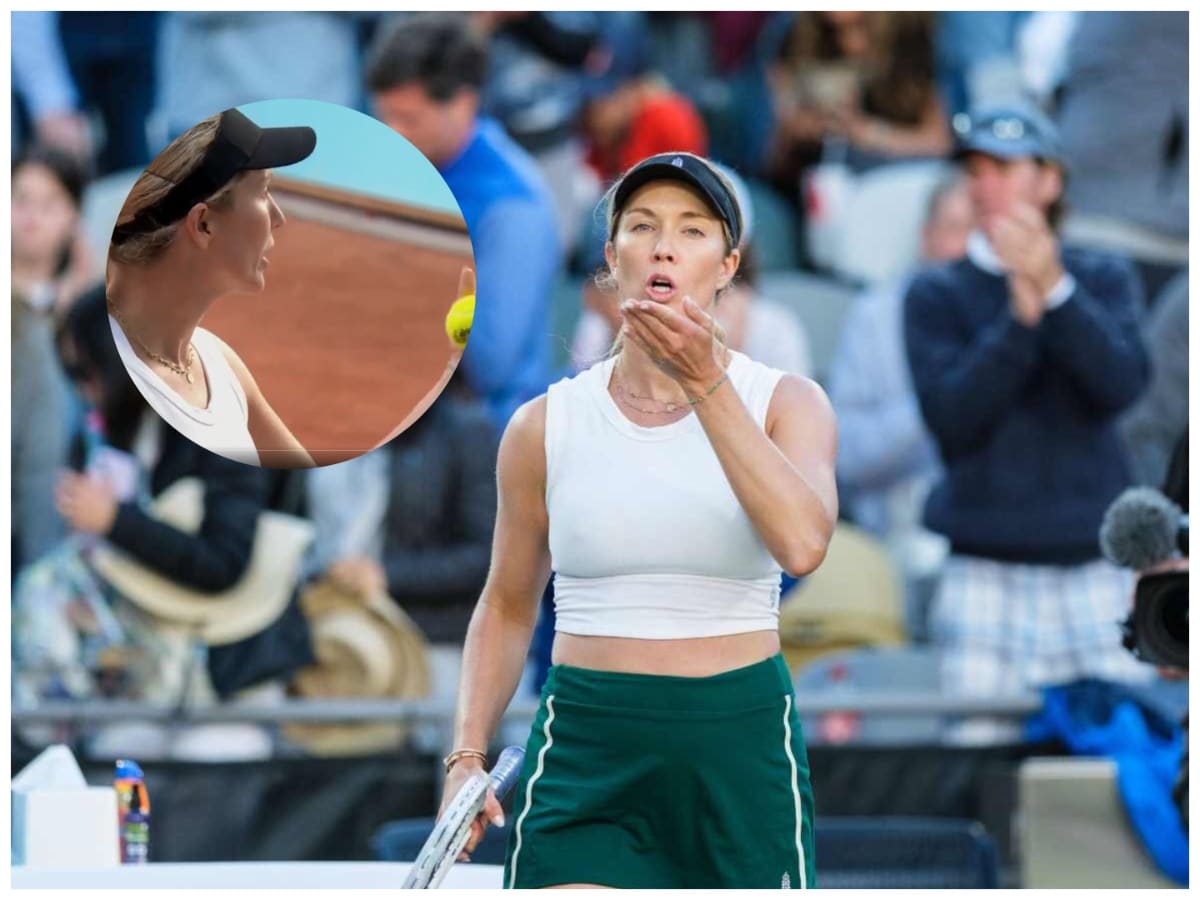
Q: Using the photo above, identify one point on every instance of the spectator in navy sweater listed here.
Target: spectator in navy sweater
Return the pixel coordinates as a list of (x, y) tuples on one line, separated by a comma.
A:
[(1022, 355)]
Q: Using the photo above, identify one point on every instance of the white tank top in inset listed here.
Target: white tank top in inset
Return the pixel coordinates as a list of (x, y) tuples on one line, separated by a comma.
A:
[(222, 426), (647, 538)]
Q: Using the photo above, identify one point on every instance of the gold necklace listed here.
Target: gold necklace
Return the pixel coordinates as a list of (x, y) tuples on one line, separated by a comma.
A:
[(184, 370), (671, 406), (624, 395)]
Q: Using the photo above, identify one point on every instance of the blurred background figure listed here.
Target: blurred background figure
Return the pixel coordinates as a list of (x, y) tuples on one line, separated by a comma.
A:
[(50, 265), (538, 64), (123, 457), (83, 82), (413, 520), (417, 519), (632, 112), (887, 460), (51, 261), (46, 102), (1022, 354), (40, 434), (425, 75), (1124, 117), (863, 79), (1152, 426), (112, 62), (210, 61), (718, 61)]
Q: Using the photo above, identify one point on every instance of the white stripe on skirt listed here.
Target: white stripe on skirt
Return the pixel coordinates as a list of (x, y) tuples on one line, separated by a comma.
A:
[(512, 875), (787, 746)]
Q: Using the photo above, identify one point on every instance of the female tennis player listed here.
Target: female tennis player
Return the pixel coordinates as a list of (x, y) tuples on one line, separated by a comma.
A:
[(666, 487), (196, 226)]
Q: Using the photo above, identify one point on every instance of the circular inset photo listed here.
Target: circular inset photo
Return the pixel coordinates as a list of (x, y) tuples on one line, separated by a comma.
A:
[(290, 283)]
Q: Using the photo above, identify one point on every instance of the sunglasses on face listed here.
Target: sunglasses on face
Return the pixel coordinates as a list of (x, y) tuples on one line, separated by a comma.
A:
[(1005, 128)]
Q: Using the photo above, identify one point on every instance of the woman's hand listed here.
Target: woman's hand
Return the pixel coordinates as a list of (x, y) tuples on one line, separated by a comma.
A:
[(683, 346), (492, 813), (88, 504), (460, 317), (466, 282), (361, 575)]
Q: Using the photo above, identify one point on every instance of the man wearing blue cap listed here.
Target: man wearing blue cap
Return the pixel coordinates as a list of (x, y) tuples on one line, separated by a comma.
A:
[(1022, 354)]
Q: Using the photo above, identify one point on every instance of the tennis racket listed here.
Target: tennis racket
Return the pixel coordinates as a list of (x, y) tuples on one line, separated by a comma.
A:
[(451, 831)]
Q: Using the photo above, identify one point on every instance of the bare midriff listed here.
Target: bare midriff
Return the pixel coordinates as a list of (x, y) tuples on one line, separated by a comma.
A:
[(689, 657)]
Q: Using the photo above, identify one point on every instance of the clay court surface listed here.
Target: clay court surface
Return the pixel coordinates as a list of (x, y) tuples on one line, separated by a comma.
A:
[(347, 342)]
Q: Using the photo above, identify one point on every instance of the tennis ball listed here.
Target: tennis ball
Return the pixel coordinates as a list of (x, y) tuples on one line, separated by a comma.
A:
[(459, 319)]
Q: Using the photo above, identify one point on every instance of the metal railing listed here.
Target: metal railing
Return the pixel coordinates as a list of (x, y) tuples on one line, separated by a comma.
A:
[(433, 721), (412, 711)]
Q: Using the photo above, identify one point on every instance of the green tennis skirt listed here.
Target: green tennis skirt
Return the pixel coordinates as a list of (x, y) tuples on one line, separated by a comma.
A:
[(658, 781)]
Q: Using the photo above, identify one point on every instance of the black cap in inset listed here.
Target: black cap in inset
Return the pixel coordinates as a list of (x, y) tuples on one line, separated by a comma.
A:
[(239, 146), (690, 170)]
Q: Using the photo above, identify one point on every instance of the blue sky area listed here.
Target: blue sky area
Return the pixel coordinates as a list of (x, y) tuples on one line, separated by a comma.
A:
[(356, 153)]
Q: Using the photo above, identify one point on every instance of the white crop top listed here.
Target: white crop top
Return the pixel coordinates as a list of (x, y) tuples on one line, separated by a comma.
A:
[(647, 539), (222, 426)]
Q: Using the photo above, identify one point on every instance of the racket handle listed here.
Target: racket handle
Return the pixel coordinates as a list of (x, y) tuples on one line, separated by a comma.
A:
[(507, 770)]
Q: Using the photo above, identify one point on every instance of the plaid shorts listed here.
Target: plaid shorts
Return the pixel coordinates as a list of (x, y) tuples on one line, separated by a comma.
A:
[(1005, 627)]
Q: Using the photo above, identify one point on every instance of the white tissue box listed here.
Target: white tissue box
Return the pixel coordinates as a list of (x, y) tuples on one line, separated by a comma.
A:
[(58, 821), (72, 828)]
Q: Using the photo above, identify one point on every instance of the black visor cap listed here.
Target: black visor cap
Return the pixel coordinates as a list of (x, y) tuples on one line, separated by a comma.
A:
[(239, 146), (689, 170)]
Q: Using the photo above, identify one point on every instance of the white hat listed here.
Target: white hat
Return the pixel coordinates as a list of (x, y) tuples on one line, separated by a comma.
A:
[(257, 600)]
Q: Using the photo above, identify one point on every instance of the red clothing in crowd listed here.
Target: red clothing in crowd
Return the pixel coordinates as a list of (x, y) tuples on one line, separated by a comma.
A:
[(663, 123)]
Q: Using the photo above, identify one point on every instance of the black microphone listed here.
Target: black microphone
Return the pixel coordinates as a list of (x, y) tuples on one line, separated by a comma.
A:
[(1142, 528)]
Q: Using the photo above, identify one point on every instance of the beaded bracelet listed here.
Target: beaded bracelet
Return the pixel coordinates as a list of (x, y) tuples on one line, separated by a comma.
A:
[(693, 401), (456, 755)]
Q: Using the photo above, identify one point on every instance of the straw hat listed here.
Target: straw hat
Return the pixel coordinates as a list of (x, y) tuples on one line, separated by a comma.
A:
[(257, 600), (854, 599), (366, 647)]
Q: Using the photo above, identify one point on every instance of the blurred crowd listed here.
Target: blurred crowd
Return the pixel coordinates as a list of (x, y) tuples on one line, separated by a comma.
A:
[(970, 227)]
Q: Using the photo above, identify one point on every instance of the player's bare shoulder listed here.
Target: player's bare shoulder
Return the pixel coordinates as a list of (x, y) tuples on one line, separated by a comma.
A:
[(235, 362), (797, 398), (523, 444), (230, 354)]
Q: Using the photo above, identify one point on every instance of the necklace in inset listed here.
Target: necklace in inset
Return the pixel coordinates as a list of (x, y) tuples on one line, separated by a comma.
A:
[(185, 370)]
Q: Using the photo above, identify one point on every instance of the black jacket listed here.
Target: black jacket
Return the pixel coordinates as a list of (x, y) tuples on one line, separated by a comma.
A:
[(216, 557), (440, 516)]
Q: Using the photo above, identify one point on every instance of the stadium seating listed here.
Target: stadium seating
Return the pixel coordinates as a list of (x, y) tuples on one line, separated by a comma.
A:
[(875, 670), (880, 240), (902, 852), (870, 226), (821, 303)]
